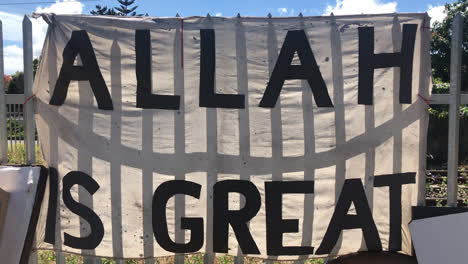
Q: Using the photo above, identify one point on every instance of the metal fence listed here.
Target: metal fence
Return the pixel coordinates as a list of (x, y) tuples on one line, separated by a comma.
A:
[(436, 188), (17, 129)]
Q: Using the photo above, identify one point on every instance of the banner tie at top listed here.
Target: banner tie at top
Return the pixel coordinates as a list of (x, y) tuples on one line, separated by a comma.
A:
[(28, 99), (427, 101)]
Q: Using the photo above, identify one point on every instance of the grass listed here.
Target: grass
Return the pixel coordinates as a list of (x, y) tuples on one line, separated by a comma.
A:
[(48, 257), (17, 154)]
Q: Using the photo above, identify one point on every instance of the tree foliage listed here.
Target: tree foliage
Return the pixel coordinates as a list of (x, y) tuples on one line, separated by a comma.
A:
[(125, 8), (16, 84), (35, 66), (6, 79), (440, 46), (103, 11), (440, 55)]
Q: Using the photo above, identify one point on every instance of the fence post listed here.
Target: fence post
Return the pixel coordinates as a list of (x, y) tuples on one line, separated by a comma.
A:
[(28, 107), (3, 122), (454, 120)]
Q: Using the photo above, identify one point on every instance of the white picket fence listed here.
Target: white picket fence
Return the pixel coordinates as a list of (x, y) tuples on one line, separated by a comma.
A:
[(21, 110), (13, 106)]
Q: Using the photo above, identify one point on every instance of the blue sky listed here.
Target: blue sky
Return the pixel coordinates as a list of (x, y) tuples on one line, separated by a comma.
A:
[(11, 12), (227, 8)]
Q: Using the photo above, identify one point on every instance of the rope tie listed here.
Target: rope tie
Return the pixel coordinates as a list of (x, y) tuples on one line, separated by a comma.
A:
[(29, 99), (427, 101)]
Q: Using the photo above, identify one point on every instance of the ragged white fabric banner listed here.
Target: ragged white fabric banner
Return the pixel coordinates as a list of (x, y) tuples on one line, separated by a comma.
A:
[(279, 138)]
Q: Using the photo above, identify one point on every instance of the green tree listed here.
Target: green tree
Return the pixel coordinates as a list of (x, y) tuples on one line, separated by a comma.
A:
[(35, 66), (440, 45), (125, 8), (16, 85), (103, 10), (440, 55)]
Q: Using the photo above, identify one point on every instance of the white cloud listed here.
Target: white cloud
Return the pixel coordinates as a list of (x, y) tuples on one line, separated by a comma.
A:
[(40, 27), (282, 11), (349, 7), (13, 59), (219, 14), (437, 13), (12, 31), (64, 7), (11, 26)]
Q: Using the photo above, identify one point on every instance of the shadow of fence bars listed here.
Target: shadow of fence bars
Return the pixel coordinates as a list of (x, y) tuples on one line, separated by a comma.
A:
[(17, 127)]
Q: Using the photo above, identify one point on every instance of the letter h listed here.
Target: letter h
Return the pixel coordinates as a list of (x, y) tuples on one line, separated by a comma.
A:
[(368, 61)]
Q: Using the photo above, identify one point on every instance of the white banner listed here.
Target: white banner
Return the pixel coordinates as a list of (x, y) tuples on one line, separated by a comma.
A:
[(278, 138)]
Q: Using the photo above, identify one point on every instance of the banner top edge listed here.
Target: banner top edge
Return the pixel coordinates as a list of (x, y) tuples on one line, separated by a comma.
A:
[(233, 17)]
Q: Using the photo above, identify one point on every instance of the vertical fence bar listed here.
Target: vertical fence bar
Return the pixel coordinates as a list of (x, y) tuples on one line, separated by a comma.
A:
[(424, 81), (28, 111), (8, 117), (15, 128), (454, 120), (12, 128), (8, 107), (3, 122), (29, 130)]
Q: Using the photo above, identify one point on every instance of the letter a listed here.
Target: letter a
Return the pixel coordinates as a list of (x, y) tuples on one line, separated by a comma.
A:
[(80, 44), (296, 41)]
